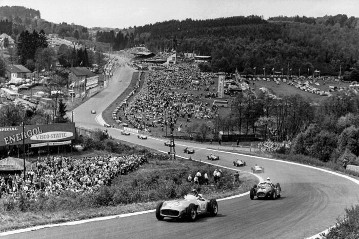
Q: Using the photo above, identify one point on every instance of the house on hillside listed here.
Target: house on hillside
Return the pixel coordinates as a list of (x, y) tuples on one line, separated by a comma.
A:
[(14, 72), (83, 81)]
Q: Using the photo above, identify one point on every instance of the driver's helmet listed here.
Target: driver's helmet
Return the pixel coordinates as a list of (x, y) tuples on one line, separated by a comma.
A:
[(268, 179), (194, 192)]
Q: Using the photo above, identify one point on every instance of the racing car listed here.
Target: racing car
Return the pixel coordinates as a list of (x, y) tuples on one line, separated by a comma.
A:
[(257, 169), (125, 133), (192, 205), (239, 163), (212, 157), (169, 143), (141, 136), (265, 190), (188, 151)]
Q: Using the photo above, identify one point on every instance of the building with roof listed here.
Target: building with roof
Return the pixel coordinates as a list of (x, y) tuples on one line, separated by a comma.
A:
[(16, 71), (83, 81)]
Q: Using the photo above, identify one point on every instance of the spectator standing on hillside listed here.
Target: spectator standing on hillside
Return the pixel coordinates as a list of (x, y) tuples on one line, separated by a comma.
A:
[(215, 177), (189, 179), (236, 178), (195, 180), (219, 174), (199, 176), (206, 179)]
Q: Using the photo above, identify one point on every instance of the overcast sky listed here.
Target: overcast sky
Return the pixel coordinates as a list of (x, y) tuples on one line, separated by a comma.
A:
[(126, 13)]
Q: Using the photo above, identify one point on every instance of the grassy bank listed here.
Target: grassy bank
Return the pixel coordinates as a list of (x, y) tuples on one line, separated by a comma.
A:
[(157, 180)]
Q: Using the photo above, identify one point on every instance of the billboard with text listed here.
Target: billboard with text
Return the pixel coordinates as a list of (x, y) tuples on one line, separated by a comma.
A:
[(13, 135)]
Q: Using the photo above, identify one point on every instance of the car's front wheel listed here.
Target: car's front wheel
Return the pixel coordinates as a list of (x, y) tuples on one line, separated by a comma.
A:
[(192, 212), (158, 212), (213, 207)]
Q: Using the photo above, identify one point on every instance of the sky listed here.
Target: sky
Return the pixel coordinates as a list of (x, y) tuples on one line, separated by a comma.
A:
[(129, 13)]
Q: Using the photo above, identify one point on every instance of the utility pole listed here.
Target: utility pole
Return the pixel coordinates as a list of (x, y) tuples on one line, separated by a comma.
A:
[(172, 141), (23, 147)]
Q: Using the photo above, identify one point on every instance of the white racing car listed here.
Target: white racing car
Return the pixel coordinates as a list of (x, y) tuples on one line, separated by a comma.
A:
[(189, 208), (257, 169), (141, 136)]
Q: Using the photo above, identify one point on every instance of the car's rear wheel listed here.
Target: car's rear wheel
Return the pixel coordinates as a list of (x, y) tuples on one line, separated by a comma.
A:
[(213, 207), (158, 212), (192, 212), (279, 189)]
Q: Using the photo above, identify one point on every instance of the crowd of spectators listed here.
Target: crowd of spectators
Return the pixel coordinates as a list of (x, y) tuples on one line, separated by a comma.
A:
[(166, 95), (56, 174), (203, 178)]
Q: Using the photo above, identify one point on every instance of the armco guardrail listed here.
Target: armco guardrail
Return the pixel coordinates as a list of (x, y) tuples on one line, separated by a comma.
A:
[(353, 168)]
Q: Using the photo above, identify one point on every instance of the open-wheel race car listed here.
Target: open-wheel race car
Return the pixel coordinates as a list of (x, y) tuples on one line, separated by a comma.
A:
[(212, 157), (190, 207), (169, 143), (188, 151), (125, 132), (257, 169), (239, 163), (265, 190), (142, 136)]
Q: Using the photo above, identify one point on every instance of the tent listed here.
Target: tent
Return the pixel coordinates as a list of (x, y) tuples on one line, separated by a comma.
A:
[(11, 164)]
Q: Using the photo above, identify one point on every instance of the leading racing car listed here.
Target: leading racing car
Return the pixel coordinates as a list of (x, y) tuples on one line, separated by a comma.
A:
[(192, 205), (265, 190)]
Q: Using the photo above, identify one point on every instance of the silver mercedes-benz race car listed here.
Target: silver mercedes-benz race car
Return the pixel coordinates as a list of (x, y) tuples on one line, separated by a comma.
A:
[(142, 136), (239, 163), (188, 208), (212, 157), (265, 190)]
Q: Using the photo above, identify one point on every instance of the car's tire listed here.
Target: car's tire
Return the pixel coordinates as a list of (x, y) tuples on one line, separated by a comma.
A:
[(158, 212), (244, 164), (234, 163), (252, 193), (192, 212), (213, 207)]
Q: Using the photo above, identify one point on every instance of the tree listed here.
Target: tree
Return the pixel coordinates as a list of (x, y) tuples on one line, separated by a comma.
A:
[(323, 145), (61, 117), (76, 34), (46, 58), (349, 139), (204, 130), (2, 67)]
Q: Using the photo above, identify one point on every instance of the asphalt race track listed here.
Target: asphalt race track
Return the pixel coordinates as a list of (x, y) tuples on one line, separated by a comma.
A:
[(311, 199)]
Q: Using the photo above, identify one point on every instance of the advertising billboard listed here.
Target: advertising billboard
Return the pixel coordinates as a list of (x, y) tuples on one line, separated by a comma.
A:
[(13, 135), (221, 85)]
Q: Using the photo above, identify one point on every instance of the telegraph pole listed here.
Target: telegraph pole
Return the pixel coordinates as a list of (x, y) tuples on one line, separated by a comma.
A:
[(23, 147), (172, 142)]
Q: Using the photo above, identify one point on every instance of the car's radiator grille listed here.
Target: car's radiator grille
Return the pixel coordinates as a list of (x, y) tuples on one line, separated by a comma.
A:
[(261, 194), (169, 212)]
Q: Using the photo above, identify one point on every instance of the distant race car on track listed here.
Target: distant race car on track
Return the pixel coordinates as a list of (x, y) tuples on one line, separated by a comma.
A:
[(125, 133), (265, 190), (213, 157), (141, 136), (93, 111), (257, 169), (169, 143), (188, 151), (192, 205), (239, 163)]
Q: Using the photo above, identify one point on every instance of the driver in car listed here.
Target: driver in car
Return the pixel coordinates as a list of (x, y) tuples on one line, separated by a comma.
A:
[(195, 193)]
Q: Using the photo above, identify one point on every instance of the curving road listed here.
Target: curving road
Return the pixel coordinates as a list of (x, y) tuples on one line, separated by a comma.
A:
[(311, 199)]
